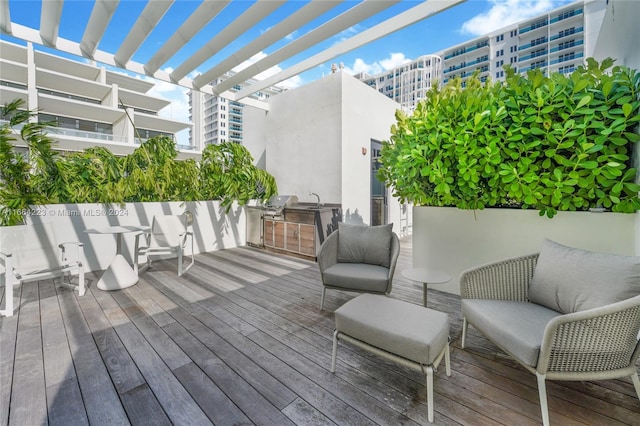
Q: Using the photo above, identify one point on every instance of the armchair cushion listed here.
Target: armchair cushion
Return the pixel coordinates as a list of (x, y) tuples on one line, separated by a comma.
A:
[(357, 277), (364, 244), (514, 326), (569, 279)]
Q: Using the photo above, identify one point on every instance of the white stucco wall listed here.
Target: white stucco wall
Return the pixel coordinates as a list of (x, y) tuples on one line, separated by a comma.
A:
[(315, 135), (452, 240), (253, 134), (303, 140), (367, 115), (213, 228)]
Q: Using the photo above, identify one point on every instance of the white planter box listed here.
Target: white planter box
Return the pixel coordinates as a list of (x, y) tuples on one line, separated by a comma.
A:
[(212, 228), (453, 240)]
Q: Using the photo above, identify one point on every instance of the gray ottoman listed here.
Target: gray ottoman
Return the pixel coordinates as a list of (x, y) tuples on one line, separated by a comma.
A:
[(403, 332)]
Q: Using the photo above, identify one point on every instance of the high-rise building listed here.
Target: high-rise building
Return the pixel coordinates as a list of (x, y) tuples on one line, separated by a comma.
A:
[(556, 41), (408, 83), (216, 119), (91, 105)]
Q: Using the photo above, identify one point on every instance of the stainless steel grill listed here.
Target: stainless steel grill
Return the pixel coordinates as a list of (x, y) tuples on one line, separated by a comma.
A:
[(277, 203)]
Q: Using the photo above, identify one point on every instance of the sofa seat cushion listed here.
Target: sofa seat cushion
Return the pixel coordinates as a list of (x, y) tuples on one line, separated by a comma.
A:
[(401, 328), (357, 277), (517, 327), (569, 280)]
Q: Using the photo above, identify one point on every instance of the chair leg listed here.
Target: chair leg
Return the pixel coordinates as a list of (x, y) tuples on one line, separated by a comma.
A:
[(81, 285), (324, 292), (428, 370), (447, 359), (180, 262), (334, 352), (8, 295), (464, 331), (636, 383), (542, 391)]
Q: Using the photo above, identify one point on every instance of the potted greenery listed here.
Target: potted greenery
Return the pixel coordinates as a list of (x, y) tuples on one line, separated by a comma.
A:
[(561, 142), (533, 147)]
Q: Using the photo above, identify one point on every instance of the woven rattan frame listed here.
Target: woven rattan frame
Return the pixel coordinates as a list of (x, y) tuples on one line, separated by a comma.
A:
[(595, 344)]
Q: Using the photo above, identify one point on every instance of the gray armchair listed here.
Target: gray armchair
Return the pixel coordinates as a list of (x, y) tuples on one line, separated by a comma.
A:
[(359, 258), (563, 314)]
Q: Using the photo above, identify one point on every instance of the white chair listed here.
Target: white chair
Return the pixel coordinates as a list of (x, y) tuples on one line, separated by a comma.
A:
[(31, 252), (167, 236)]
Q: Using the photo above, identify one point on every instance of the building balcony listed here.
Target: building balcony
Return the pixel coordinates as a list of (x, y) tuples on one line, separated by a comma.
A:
[(464, 50)]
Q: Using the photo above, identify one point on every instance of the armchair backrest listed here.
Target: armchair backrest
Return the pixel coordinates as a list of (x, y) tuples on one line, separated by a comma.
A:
[(168, 230), (32, 246)]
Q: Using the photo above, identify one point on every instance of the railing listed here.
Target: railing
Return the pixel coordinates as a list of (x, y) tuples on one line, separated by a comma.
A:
[(534, 26), (534, 66), (86, 134), (567, 46), (533, 43), (566, 15), (467, 50), (533, 55), (467, 64), (567, 33), (567, 59)]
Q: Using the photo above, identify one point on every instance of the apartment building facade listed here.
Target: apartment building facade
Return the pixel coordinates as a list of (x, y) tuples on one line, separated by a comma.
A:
[(216, 119), (408, 83), (557, 41), (91, 105)]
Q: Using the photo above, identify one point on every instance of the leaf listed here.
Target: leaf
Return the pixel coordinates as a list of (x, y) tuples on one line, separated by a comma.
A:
[(583, 101)]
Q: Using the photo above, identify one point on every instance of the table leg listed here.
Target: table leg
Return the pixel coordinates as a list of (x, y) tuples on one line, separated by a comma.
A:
[(118, 275), (118, 243), (424, 294)]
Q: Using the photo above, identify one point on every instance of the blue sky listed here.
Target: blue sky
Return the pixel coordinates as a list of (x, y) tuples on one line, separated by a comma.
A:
[(453, 26)]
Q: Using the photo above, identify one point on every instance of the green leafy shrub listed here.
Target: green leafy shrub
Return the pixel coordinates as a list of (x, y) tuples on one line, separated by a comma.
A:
[(151, 173), (549, 143)]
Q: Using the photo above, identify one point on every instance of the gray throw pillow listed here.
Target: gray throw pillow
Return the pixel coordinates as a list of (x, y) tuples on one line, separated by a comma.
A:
[(364, 244), (569, 279)]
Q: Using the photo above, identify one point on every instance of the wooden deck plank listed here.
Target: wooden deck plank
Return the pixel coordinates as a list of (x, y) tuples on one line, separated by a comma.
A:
[(28, 398), (99, 395), (8, 336), (176, 401), (240, 339)]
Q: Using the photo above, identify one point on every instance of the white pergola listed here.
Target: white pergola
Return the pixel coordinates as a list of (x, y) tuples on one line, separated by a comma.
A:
[(150, 20)]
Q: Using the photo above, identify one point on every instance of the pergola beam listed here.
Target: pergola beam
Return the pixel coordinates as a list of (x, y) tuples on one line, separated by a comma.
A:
[(198, 19), (254, 14), (294, 21), (402, 20), (50, 21), (341, 22), (101, 15), (146, 22)]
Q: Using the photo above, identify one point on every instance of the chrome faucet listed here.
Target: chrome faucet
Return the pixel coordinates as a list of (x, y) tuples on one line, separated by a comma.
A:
[(318, 197)]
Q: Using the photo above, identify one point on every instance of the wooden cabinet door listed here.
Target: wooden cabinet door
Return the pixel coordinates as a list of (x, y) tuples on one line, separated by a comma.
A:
[(268, 233), (293, 236), (278, 234), (308, 240)]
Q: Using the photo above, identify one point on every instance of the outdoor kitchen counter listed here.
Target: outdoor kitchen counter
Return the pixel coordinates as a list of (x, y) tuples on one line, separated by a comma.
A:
[(302, 228)]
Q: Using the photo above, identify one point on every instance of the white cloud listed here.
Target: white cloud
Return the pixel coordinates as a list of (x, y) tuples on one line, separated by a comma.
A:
[(506, 12), (394, 60)]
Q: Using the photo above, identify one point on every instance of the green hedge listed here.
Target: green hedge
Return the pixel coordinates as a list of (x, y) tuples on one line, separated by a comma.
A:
[(558, 142), (151, 173)]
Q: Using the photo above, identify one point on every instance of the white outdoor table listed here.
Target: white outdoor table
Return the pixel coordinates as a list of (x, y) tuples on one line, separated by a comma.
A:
[(426, 276), (119, 274)]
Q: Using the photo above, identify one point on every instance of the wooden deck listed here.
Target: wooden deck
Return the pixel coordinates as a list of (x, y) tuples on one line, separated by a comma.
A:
[(239, 339)]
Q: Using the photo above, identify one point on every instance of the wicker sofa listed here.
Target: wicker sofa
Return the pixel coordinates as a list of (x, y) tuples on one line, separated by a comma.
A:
[(564, 313)]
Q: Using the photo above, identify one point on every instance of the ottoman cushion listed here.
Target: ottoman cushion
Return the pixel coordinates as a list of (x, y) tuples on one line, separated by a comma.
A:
[(410, 331)]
